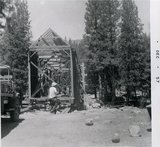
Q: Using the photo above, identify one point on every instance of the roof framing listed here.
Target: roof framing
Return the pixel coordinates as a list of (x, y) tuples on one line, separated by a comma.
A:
[(48, 47)]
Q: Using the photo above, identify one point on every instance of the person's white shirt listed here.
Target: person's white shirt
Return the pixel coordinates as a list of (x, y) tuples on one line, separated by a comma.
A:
[(52, 92)]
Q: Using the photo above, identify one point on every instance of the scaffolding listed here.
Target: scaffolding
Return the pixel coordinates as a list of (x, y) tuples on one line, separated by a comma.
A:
[(50, 59)]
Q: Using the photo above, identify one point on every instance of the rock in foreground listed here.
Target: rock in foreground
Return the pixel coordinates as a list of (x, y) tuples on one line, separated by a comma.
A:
[(89, 122), (116, 138), (134, 131)]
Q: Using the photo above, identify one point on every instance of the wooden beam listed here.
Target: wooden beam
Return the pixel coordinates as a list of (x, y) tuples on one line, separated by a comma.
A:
[(42, 72), (50, 48), (33, 54), (38, 90), (29, 76), (72, 78), (66, 52), (45, 57), (45, 74)]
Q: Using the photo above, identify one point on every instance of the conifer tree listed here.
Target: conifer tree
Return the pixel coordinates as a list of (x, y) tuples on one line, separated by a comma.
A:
[(146, 75), (18, 32), (91, 41), (109, 20), (131, 47), (2, 14), (101, 34), (6, 11)]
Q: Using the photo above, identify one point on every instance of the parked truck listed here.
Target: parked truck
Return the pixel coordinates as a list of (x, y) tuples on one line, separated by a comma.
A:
[(9, 97)]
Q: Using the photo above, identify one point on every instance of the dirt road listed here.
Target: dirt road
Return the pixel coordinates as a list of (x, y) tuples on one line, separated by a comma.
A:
[(42, 129)]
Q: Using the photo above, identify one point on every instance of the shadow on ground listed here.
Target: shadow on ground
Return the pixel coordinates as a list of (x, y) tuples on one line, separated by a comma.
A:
[(7, 126)]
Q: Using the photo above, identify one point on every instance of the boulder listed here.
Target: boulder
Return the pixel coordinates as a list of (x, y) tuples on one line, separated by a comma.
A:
[(116, 138), (89, 122), (134, 131), (96, 105), (149, 129), (88, 107)]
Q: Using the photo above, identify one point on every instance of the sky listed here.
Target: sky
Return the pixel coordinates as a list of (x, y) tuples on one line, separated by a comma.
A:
[(66, 17)]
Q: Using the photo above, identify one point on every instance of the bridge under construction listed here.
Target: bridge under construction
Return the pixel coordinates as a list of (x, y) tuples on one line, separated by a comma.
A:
[(50, 59)]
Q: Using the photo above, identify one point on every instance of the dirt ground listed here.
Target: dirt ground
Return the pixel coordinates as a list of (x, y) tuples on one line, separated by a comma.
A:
[(43, 129)]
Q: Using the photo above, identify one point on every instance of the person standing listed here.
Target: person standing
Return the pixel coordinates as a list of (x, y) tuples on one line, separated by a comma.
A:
[(53, 97)]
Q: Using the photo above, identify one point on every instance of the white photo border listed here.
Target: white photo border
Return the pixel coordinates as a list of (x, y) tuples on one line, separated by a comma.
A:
[(155, 70)]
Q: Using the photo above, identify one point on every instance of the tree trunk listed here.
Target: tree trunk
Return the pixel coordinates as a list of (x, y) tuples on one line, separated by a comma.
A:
[(105, 94), (100, 87), (150, 92), (128, 96), (135, 92), (95, 92), (113, 93)]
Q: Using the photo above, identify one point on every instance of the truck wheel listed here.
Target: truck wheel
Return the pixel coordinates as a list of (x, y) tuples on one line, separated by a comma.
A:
[(15, 114)]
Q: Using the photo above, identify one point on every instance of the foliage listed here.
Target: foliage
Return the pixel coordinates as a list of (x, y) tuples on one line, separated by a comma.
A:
[(18, 36), (102, 19), (146, 75), (132, 48), (6, 10), (2, 15), (116, 47)]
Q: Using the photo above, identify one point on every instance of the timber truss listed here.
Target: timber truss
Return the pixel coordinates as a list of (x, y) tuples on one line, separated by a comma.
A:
[(50, 59)]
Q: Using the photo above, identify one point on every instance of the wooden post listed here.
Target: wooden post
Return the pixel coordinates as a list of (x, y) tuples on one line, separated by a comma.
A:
[(72, 78), (83, 76), (42, 71), (29, 76)]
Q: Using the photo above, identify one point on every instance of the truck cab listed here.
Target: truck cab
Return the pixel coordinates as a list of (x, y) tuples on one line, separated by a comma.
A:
[(9, 97)]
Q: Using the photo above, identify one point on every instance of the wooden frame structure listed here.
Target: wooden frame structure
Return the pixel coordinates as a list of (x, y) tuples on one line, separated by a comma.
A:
[(50, 59)]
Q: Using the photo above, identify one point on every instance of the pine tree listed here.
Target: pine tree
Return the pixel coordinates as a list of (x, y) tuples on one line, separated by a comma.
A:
[(109, 20), (131, 47), (146, 75), (102, 19), (2, 15), (91, 41), (6, 10), (18, 31), (92, 36)]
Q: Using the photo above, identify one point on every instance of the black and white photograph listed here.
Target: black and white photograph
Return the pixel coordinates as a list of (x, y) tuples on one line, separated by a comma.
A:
[(77, 73)]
